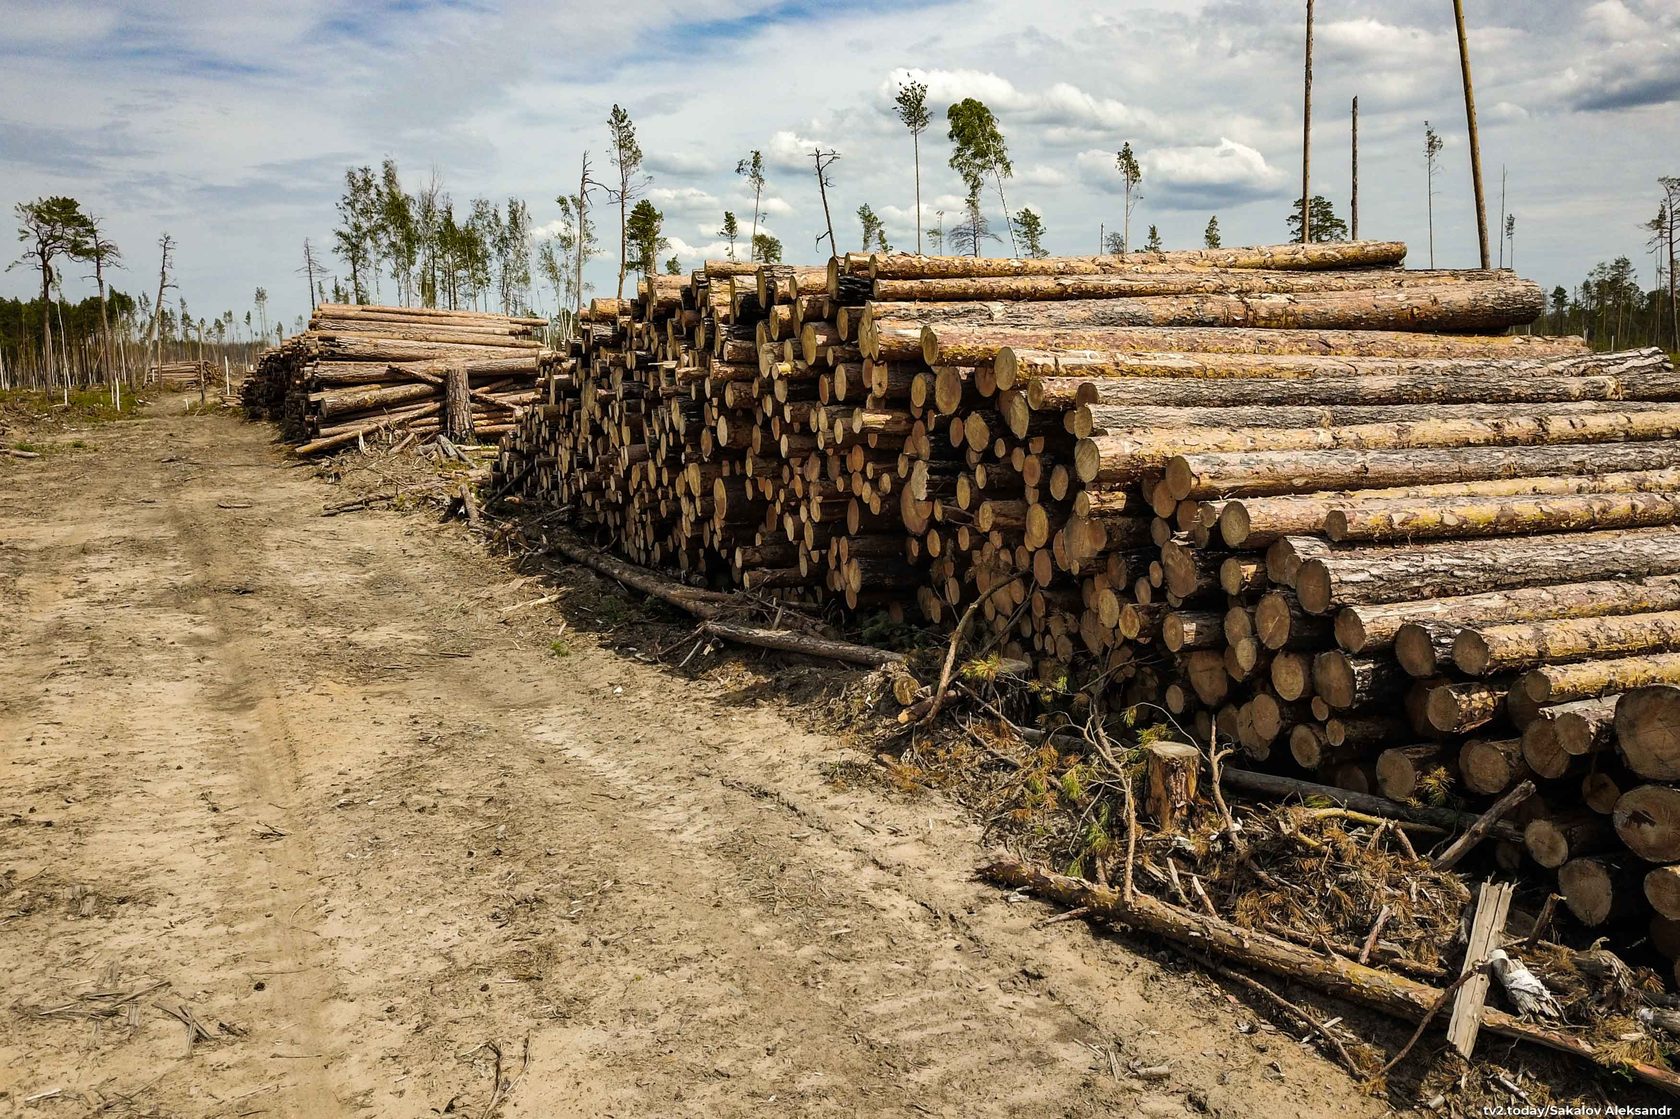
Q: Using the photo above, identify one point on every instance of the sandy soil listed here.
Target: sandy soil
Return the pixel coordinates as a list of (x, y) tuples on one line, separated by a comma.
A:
[(306, 781)]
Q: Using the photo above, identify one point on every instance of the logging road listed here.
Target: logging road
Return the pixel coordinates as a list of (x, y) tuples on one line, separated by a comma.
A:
[(305, 781)]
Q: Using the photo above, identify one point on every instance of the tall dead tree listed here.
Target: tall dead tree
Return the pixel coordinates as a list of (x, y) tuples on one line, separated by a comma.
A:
[(166, 247), (1475, 136), (1306, 135), (823, 160), (1355, 203)]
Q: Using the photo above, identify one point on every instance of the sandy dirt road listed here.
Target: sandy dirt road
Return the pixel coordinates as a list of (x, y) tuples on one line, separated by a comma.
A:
[(304, 781)]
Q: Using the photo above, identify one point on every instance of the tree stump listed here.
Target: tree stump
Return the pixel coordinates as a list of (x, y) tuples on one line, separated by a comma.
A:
[(457, 408), (1173, 767)]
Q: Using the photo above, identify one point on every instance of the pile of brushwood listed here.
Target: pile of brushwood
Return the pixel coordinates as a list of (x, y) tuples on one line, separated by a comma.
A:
[(1258, 878)]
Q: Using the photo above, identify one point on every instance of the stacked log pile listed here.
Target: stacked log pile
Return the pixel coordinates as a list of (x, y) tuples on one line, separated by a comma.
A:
[(1298, 498), (175, 375), (360, 371)]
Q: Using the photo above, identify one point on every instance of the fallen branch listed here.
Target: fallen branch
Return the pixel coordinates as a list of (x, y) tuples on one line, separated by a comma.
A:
[(709, 605), (1476, 831), (1394, 994), (1272, 785)]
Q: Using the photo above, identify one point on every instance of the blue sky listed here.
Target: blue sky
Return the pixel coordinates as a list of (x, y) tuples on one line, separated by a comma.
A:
[(230, 125)]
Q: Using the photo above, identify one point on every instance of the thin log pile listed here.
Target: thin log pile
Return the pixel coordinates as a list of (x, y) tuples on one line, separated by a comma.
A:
[(1297, 497), (180, 374), (361, 371)]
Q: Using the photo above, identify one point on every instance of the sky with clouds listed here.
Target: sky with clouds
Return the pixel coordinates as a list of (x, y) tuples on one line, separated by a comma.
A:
[(230, 124)]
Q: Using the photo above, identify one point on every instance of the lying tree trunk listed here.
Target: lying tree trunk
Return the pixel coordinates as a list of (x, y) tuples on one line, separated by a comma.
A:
[(1486, 306), (1647, 727), (979, 345), (1399, 769), (344, 439), (1383, 990), (1344, 682), (1647, 820), (1345, 254), (1594, 890), (1486, 649), (1412, 520), (1461, 708), (1125, 455), (1554, 840), (1563, 682), (1491, 765), (1425, 647), (1662, 890), (1256, 521), (1087, 420), (1255, 473), (1361, 576), (1133, 285), (1361, 378), (1367, 628)]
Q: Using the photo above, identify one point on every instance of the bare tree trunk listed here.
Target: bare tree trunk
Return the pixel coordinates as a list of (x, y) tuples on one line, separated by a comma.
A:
[(1306, 135), (1015, 250), (1355, 206), (916, 146), (1475, 136)]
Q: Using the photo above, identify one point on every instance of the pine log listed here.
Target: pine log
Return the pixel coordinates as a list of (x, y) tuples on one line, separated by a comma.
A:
[(457, 406), (1399, 768), (1333, 378), (1600, 791), (1408, 519), (1647, 728), (980, 345), (1484, 649), (1257, 521), (1366, 628), (1125, 454), (1563, 682), (1364, 575), (1647, 820), (1257, 473), (1425, 647), (1344, 682), (1541, 751), (1491, 765), (1087, 420), (1346, 254), (344, 439), (1593, 889), (1662, 890), (1131, 285), (1460, 708), (1554, 840), (1486, 306)]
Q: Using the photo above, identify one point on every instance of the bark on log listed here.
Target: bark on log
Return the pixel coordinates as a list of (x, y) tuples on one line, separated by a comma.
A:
[(457, 406), (1087, 420), (1405, 519), (1172, 770), (1364, 575), (1560, 683), (1570, 373), (1487, 306), (1484, 649), (1366, 628), (1554, 840), (1126, 454), (1647, 728), (1258, 473), (1491, 765), (1399, 768), (980, 345), (1131, 285), (1382, 990), (1346, 254)]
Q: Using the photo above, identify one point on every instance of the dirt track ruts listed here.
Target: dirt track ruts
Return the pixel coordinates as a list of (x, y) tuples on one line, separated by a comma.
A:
[(236, 759)]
